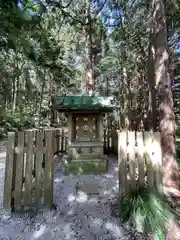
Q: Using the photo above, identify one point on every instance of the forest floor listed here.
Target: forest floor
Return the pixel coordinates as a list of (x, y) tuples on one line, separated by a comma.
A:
[(78, 214)]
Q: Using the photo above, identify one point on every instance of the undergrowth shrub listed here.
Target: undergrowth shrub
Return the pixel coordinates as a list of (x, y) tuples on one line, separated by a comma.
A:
[(17, 121), (146, 210)]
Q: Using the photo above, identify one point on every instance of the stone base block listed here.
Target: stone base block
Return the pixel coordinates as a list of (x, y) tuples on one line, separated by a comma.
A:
[(85, 167)]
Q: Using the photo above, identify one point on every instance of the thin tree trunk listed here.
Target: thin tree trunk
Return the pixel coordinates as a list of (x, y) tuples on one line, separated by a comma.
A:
[(126, 99), (41, 100), (6, 99), (124, 93), (103, 78), (15, 90), (88, 50)]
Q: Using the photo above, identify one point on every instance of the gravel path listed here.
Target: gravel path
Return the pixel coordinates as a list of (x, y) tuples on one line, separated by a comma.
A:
[(78, 216), (3, 145)]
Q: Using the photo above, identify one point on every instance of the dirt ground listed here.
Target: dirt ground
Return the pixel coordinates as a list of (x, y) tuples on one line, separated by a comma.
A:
[(78, 215)]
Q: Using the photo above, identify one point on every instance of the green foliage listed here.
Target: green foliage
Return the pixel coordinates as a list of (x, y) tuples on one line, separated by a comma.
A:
[(19, 120), (147, 210), (43, 49), (16, 21)]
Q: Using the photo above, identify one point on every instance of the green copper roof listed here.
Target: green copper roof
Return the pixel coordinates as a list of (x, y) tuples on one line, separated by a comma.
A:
[(83, 103)]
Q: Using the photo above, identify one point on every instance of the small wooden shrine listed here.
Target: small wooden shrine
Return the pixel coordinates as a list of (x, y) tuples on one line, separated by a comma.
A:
[(85, 127)]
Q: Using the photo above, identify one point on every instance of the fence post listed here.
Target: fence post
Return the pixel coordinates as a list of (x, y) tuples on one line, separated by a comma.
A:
[(140, 157), (66, 142), (57, 139), (132, 160), (158, 156), (9, 171), (62, 139), (28, 172), (48, 181), (38, 169), (122, 158), (149, 163), (19, 170)]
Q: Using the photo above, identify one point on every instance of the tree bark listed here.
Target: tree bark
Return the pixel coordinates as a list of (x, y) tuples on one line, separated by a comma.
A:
[(171, 180), (163, 85)]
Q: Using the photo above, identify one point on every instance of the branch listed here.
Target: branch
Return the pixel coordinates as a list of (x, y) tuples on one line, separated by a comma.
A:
[(57, 4), (67, 14), (100, 9)]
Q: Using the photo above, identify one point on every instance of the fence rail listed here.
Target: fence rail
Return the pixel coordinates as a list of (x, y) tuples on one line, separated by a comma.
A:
[(139, 160)]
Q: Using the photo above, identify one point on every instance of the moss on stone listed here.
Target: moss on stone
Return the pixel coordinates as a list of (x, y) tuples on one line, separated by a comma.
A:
[(85, 167)]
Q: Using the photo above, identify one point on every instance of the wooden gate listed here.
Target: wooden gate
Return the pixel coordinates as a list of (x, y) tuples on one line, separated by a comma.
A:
[(139, 160), (29, 167)]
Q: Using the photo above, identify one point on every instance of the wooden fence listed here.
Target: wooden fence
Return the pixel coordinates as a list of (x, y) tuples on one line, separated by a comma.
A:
[(29, 167), (29, 163), (139, 160), (110, 140)]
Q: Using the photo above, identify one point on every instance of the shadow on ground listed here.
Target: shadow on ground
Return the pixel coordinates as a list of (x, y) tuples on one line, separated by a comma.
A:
[(78, 214)]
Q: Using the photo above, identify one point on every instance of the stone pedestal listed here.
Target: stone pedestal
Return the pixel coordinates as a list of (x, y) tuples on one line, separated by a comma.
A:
[(86, 142)]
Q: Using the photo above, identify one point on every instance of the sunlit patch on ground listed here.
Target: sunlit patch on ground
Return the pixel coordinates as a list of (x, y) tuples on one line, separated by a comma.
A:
[(83, 210)]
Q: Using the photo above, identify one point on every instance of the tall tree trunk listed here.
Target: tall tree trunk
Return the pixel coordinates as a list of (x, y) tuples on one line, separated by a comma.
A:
[(104, 79), (41, 100), (15, 91), (163, 85), (125, 91), (6, 98), (162, 75), (88, 50)]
